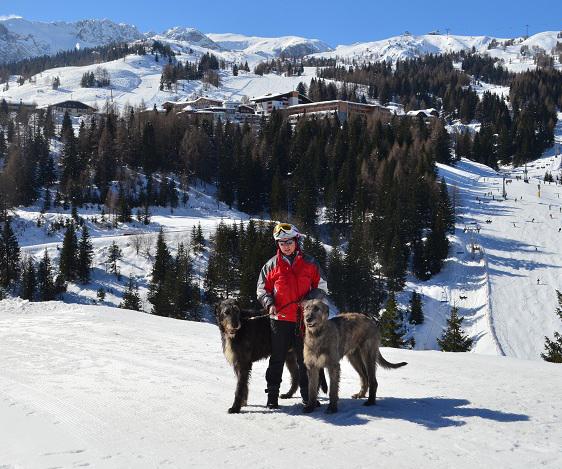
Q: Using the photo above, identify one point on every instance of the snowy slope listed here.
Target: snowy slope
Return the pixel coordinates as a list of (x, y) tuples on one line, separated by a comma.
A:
[(506, 310), (135, 80), (506, 291), (102, 387), (136, 240)]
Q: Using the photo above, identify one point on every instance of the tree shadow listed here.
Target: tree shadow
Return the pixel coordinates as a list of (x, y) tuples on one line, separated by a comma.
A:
[(431, 412)]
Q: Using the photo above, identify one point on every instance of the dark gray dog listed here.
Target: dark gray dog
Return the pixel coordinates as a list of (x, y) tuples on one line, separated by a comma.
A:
[(327, 341), (246, 339)]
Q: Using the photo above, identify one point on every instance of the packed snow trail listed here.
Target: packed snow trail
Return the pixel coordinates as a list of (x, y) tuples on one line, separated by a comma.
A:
[(510, 286)]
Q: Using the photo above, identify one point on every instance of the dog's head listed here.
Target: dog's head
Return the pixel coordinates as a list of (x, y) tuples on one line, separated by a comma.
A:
[(227, 313), (315, 315)]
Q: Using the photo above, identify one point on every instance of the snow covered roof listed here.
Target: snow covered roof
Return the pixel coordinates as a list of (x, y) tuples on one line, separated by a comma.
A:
[(281, 97)]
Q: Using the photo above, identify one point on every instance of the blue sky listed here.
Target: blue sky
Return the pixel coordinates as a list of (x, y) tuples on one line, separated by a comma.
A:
[(335, 22)]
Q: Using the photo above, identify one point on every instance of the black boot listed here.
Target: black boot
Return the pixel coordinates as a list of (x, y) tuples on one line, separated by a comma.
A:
[(272, 399)]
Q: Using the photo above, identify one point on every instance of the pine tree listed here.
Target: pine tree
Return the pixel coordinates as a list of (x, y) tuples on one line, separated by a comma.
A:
[(9, 256), (157, 293), (553, 348), (277, 196), (124, 212), (85, 256), (335, 274), (446, 207), (416, 312), (184, 293), (256, 247), (395, 264), (315, 248), (66, 126), (114, 255), (68, 264), (28, 279), (197, 239), (131, 297), (222, 275), (45, 280), (392, 327), (454, 339)]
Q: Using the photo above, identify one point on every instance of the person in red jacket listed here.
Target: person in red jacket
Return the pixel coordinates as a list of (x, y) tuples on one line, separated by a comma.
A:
[(285, 280)]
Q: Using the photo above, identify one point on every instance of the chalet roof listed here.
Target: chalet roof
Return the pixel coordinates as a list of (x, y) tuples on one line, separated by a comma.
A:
[(314, 104), (280, 97), (72, 105)]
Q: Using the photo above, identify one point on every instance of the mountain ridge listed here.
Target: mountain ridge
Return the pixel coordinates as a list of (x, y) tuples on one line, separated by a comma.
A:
[(21, 39)]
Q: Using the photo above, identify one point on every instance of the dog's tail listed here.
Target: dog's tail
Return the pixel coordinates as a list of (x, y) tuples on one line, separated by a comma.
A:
[(382, 362)]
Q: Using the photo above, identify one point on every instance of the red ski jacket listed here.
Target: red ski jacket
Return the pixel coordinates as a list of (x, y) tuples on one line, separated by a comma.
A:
[(284, 285)]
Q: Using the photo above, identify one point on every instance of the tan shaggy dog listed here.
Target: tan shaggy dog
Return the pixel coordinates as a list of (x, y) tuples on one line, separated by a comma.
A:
[(327, 341)]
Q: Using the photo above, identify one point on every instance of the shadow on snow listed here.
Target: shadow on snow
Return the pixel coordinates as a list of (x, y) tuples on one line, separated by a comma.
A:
[(431, 412)]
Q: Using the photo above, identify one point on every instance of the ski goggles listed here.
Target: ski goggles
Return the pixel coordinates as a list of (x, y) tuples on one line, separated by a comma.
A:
[(282, 228), (286, 243)]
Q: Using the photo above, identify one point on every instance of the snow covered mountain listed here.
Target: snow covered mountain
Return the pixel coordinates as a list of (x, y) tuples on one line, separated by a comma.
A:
[(272, 47), (192, 36), (20, 38), (408, 46)]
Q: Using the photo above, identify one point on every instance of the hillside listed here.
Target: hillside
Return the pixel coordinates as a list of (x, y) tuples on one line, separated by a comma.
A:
[(97, 386), (506, 292)]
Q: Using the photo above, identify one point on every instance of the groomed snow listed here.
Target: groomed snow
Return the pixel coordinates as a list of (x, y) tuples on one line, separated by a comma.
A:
[(102, 387)]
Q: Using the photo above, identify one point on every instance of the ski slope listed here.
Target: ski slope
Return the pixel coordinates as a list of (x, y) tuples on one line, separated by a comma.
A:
[(506, 286), (93, 386)]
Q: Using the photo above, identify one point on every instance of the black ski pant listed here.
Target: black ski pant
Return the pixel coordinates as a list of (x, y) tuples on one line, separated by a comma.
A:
[(283, 335)]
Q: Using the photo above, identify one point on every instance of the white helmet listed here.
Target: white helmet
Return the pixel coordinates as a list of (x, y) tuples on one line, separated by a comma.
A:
[(285, 231)]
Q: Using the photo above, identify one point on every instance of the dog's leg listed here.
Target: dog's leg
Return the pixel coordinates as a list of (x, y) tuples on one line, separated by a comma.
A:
[(323, 384), (373, 385), (357, 363), (334, 372), (313, 373), (241, 393), (293, 368)]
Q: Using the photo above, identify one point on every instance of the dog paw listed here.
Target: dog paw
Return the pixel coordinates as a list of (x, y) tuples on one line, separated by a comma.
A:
[(308, 409), (332, 409), (286, 396), (368, 403), (359, 395), (234, 410)]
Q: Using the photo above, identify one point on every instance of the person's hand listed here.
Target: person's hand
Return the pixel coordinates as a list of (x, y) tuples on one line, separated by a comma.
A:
[(272, 310)]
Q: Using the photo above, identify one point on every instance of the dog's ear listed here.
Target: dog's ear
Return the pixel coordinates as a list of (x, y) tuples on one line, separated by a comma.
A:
[(325, 308), (218, 308)]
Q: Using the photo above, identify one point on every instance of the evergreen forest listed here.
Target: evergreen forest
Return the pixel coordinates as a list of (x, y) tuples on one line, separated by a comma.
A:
[(371, 181)]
